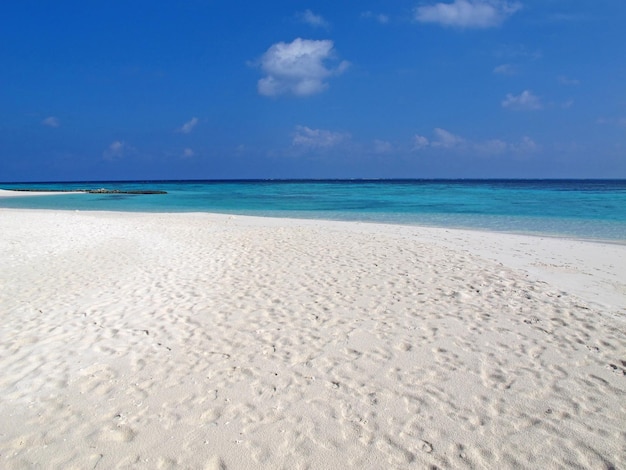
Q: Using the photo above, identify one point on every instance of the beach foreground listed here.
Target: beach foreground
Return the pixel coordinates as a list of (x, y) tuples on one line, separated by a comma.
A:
[(211, 341)]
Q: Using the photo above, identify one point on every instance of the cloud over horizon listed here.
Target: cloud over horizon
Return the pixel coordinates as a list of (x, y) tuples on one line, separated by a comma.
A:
[(298, 67), (505, 69), (380, 17), (525, 101), (115, 151), (383, 146), (308, 138), (51, 121), (467, 13), (446, 140), (310, 18), (443, 139), (188, 126)]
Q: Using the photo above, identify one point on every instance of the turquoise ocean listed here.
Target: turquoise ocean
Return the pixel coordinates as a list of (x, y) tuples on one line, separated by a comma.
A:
[(589, 209)]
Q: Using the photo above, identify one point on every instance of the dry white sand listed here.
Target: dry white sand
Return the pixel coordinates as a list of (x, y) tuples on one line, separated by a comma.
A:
[(208, 341), (12, 193)]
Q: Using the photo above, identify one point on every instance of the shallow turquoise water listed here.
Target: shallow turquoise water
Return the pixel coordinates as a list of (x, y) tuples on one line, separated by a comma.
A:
[(584, 209)]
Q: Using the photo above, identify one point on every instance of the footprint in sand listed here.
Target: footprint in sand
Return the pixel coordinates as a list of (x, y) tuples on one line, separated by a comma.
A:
[(216, 463), (617, 369), (117, 434)]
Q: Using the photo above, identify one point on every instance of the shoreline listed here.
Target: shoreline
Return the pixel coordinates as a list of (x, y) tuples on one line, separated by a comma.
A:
[(513, 229), (220, 341), (17, 193), (550, 235)]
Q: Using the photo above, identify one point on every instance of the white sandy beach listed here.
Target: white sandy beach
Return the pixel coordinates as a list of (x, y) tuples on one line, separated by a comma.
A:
[(11, 193), (218, 342)]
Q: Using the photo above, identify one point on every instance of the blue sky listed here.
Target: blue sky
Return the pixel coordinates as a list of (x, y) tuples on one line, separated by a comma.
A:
[(204, 89)]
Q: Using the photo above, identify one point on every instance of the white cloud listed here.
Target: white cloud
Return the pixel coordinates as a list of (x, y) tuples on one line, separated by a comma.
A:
[(467, 13), (188, 153), (612, 121), (505, 69), (491, 147), (317, 21), (381, 18), (526, 145), (51, 121), (298, 67), (115, 151), (446, 140), (188, 126), (442, 139), (317, 138), (526, 101), (563, 80), (383, 146), (420, 142)]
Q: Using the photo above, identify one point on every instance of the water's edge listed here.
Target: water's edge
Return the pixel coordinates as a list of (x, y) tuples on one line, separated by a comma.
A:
[(581, 209)]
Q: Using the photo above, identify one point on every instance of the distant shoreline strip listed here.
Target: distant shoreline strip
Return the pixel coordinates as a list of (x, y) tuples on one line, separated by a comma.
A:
[(90, 191)]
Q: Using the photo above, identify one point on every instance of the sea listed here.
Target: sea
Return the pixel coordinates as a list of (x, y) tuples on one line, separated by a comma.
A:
[(583, 209)]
